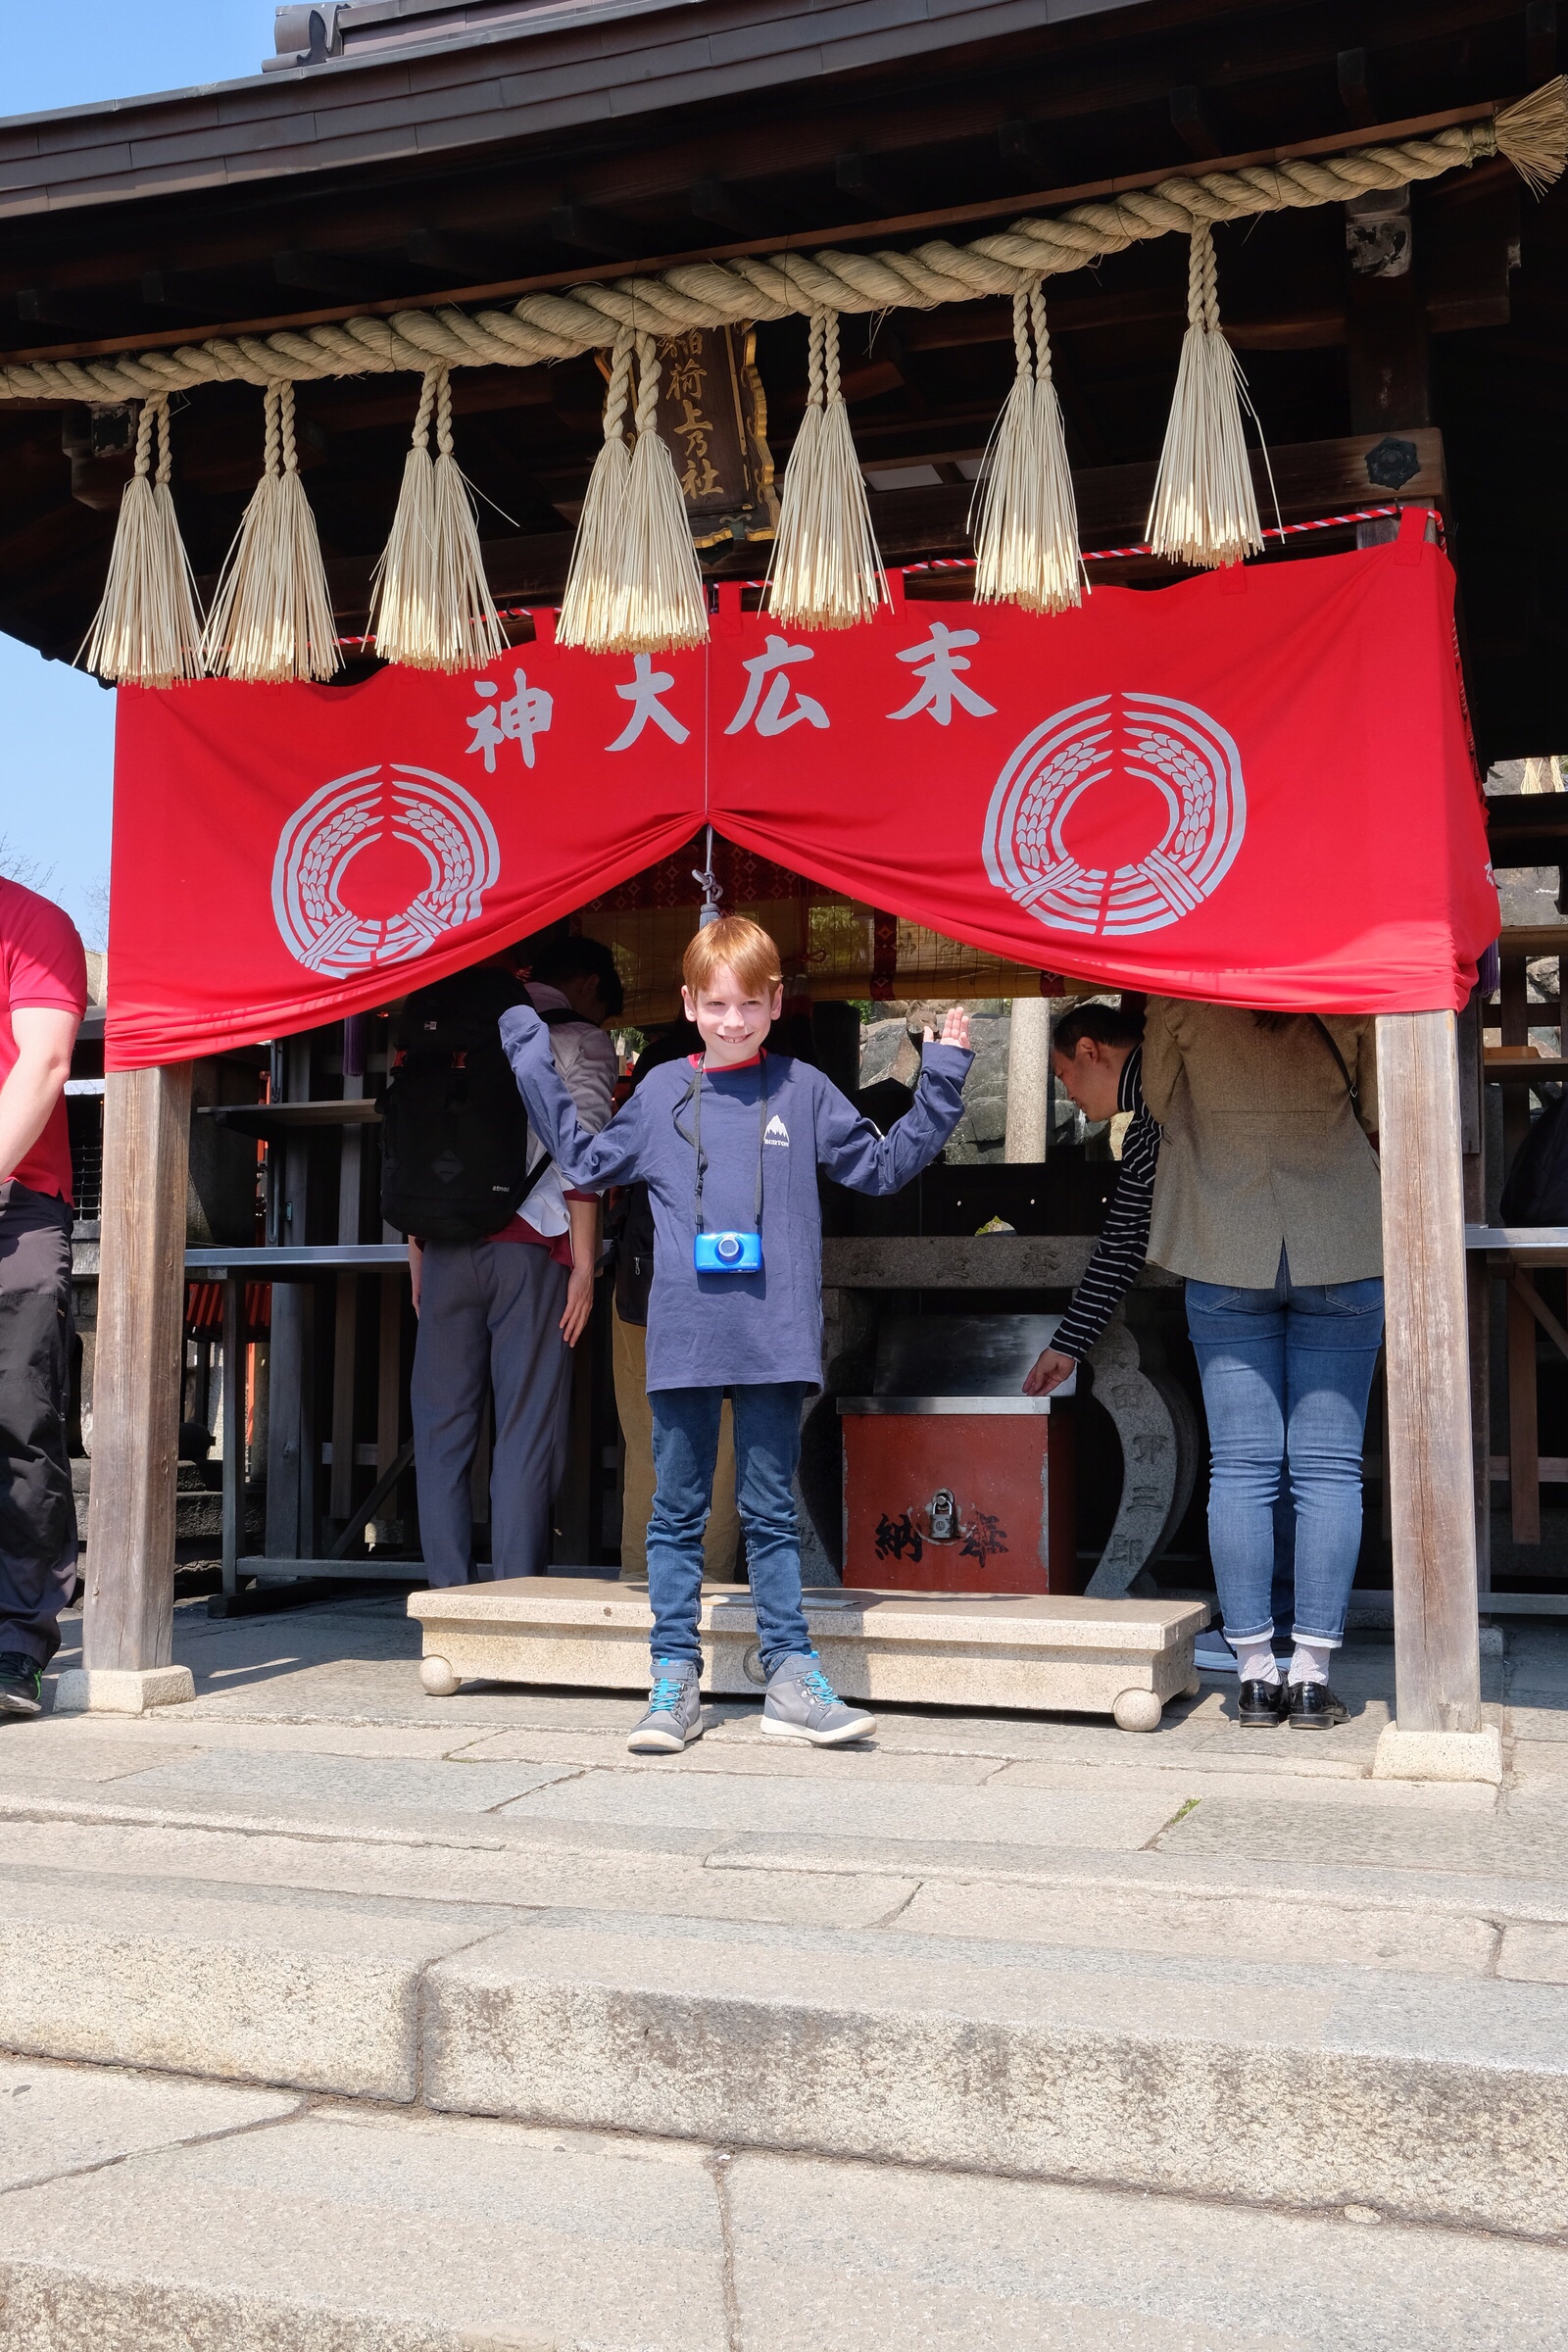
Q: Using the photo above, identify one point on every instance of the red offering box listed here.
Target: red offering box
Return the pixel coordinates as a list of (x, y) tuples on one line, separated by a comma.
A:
[(1007, 1466)]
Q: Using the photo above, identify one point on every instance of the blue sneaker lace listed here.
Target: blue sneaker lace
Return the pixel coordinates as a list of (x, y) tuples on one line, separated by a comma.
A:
[(819, 1687), (665, 1695)]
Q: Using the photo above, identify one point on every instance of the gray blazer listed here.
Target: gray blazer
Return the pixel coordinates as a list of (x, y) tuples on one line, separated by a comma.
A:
[(1262, 1148)]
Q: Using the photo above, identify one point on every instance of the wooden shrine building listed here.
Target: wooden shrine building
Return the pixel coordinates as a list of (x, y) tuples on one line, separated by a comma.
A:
[(400, 160)]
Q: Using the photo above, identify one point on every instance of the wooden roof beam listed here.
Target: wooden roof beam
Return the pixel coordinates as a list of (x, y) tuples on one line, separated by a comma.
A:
[(1355, 80), (603, 235), (716, 202), (1190, 121)]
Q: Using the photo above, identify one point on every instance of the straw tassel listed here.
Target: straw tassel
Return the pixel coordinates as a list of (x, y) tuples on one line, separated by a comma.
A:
[(587, 609), (826, 572), (1204, 510), (147, 631), (272, 619), (1533, 134), (1026, 543), (431, 608), (661, 604)]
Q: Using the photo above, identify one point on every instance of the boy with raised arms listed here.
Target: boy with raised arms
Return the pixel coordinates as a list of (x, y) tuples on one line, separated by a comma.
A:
[(728, 1143)]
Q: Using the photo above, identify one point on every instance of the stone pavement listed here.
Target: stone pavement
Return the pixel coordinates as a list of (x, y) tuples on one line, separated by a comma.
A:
[(454, 2024)]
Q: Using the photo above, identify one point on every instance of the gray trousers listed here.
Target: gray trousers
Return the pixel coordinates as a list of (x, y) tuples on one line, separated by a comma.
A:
[(489, 1323), (38, 1510)]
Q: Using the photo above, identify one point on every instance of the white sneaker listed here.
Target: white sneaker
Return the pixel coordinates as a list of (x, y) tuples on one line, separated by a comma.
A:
[(675, 1714), (803, 1704)]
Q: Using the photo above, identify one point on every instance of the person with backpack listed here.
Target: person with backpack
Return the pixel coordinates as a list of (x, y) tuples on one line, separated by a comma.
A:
[(728, 1141), (501, 1253), (1268, 1200)]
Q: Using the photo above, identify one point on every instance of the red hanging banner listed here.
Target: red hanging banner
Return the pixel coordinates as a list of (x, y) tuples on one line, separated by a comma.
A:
[(1254, 787)]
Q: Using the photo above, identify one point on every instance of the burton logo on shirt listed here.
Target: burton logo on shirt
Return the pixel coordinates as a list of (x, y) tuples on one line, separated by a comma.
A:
[(775, 1131)]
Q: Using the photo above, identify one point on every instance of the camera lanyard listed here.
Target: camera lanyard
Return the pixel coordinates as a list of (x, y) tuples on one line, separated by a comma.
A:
[(694, 1094)]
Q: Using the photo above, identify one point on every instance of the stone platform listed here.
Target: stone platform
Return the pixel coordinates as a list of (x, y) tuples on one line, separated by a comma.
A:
[(1044, 1652)]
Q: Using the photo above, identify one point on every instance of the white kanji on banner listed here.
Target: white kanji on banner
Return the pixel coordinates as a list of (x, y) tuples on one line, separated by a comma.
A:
[(938, 662), (772, 711), (526, 713), (648, 687)]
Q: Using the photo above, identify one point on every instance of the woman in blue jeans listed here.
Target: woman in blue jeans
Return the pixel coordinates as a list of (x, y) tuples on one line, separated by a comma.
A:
[(1268, 1201)]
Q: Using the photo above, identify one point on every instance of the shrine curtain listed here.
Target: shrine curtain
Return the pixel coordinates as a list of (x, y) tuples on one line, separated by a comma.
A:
[(1254, 787)]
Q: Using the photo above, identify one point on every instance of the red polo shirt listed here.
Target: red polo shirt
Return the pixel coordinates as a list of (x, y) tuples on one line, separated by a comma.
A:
[(41, 964)]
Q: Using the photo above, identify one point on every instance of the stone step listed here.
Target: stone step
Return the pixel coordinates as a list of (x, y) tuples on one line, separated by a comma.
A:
[(896, 2034), (167, 2216)]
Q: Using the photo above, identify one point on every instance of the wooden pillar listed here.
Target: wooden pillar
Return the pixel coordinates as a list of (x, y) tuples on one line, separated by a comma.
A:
[(1437, 1733), (1478, 1279), (128, 1633)]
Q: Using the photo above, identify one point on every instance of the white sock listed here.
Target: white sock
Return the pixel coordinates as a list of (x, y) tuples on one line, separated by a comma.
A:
[(1256, 1662), (1310, 1661)]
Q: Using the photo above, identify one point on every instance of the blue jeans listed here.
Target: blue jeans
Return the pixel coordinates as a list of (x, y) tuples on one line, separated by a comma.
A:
[(767, 1447), (1286, 1376)]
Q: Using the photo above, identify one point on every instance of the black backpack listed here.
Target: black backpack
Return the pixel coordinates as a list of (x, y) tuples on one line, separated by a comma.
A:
[(1535, 1192), (455, 1161)]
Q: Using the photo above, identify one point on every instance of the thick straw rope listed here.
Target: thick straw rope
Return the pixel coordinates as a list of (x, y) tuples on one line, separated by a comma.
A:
[(1532, 135)]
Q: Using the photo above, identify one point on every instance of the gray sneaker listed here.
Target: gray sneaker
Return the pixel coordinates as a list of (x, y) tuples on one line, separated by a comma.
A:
[(803, 1704), (674, 1717)]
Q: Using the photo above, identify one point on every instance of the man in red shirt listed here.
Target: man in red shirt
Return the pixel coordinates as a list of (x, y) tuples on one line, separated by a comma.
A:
[(44, 995)]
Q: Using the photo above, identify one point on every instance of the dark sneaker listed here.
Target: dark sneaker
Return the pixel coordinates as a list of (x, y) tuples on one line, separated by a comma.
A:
[(1263, 1705), (674, 1716), (21, 1684), (1313, 1708), (803, 1704)]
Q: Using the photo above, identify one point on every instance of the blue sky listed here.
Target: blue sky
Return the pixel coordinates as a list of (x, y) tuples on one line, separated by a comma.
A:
[(57, 737)]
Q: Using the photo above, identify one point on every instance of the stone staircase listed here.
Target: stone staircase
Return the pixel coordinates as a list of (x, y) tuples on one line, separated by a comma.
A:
[(1023, 1961)]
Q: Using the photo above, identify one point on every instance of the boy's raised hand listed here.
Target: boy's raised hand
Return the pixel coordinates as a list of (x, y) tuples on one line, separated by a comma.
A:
[(955, 1029)]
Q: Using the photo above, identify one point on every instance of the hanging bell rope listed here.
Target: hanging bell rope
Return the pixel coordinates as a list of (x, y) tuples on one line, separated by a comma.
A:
[(272, 619), (660, 604), (432, 607), (826, 572), (587, 609), (148, 631), (1204, 509), (1026, 535)]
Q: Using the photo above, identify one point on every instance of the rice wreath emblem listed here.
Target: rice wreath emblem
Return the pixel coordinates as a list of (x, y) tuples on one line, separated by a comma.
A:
[(1193, 764), (414, 805)]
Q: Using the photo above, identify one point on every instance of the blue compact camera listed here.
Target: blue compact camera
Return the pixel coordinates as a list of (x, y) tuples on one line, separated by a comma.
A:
[(728, 1253)]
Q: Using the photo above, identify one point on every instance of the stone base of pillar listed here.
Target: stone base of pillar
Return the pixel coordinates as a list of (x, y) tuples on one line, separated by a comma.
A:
[(1439, 1755), (122, 1690)]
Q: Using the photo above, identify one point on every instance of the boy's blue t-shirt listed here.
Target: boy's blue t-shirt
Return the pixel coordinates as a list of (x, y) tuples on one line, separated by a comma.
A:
[(721, 1330)]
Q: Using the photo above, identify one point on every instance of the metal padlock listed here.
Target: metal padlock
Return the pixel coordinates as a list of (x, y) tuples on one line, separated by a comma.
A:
[(942, 1518)]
